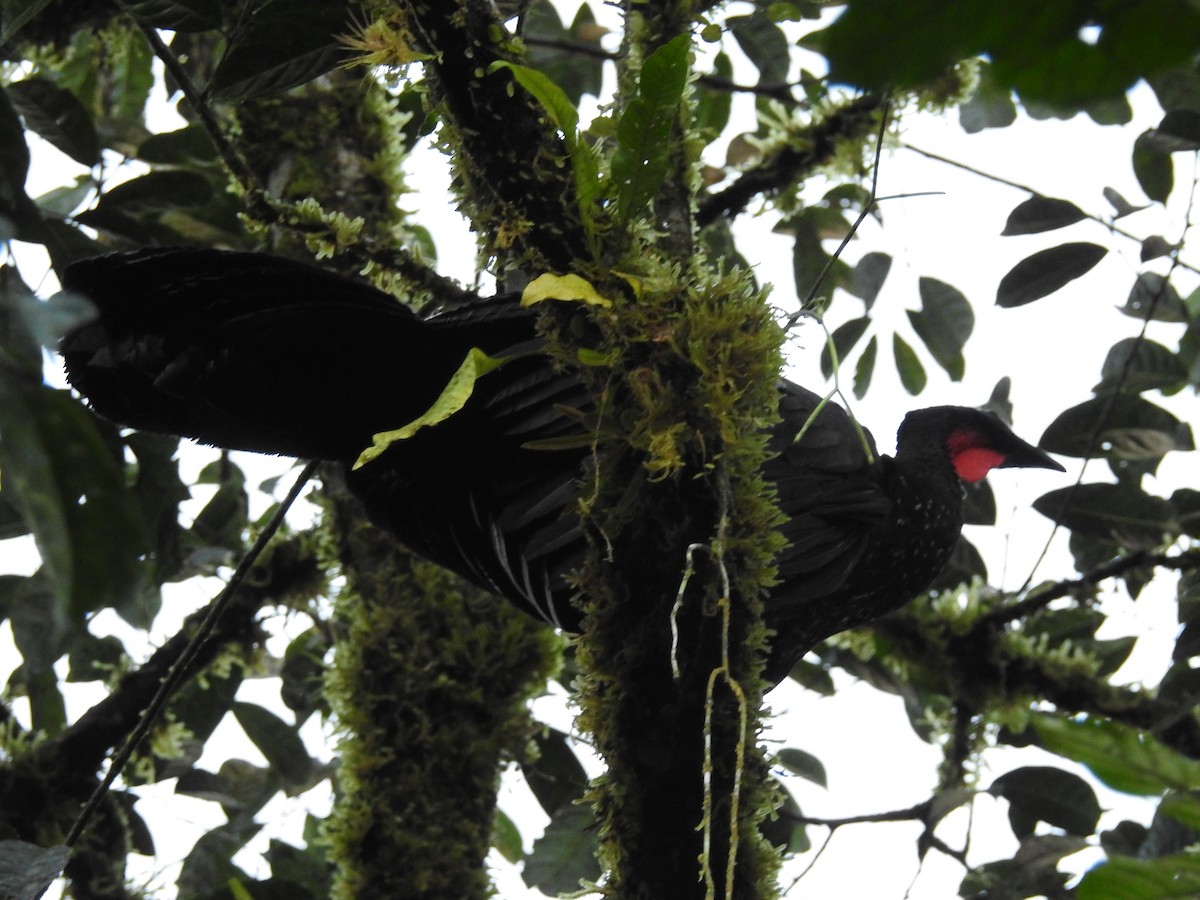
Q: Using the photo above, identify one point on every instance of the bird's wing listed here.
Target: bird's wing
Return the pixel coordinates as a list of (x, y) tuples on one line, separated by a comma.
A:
[(249, 352), (829, 481)]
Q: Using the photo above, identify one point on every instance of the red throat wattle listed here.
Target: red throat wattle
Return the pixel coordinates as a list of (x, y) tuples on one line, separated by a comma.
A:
[(972, 460)]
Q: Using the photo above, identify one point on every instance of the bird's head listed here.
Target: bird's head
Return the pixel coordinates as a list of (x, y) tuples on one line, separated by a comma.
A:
[(973, 440)]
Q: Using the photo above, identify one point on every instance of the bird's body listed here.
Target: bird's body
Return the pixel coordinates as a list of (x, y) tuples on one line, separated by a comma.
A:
[(257, 353)]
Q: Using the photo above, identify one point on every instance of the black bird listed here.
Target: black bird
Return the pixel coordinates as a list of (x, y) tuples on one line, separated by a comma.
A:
[(253, 352)]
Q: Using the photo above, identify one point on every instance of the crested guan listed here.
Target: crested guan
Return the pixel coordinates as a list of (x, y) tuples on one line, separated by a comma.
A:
[(253, 352)]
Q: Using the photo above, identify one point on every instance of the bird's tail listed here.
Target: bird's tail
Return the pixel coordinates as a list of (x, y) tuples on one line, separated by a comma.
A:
[(251, 352)]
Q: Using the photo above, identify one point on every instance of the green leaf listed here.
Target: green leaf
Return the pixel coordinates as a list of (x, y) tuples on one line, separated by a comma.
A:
[(52, 458), (1040, 213), (57, 116), (944, 322), (1183, 808), (1153, 168), (454, 395), (1142, 879), (277, 741), (641, 159), (713, 105), (865, 368), (802, 763), (844, 338), (912, 373), (1046, 271), (506, 838), (1122, 757), (282, 45), (1179, 132), (1034, 47), (1047, 794), (15, 18), (562, 112), (565, 854)]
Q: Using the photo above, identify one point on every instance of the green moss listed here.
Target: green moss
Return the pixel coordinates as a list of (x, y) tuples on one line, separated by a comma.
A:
[(429, 687)]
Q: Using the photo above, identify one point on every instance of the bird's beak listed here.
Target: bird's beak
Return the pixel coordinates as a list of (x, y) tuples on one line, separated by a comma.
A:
[(1020, 455)]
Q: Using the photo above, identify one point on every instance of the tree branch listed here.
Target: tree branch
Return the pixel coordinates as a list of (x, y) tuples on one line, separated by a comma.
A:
[(817, 146)]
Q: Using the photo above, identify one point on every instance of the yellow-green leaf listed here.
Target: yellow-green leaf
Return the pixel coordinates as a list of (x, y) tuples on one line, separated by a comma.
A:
[(454, 396), (562, 287)]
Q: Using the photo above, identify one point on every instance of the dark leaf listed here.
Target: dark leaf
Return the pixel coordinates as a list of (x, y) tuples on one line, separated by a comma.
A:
[(160, 191), (1153, 168), (184, 146), (868, 277), (1112, 512), (844, 338), (211, 861), (1124, 840), (865, 368), (303, 671), (14, 162), (1134, 365), (283, 44), (1039, 214), (912, 373), (58, 116), (813, 677), (306, 866), (1187, 511), (979, 503), (802, 763), (1155, 246), (94, 658), (786, 831), (277, 741), (1154, 297), (944, 323), (1120, 205), (552, 49), (1046, 271), (565, 854), (1178, 132), (1122, 427), (26, 870), (178, 15), (557, 778), (764, 44), (1050, 795), (713, 105), (14, 18), (965, 564)]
